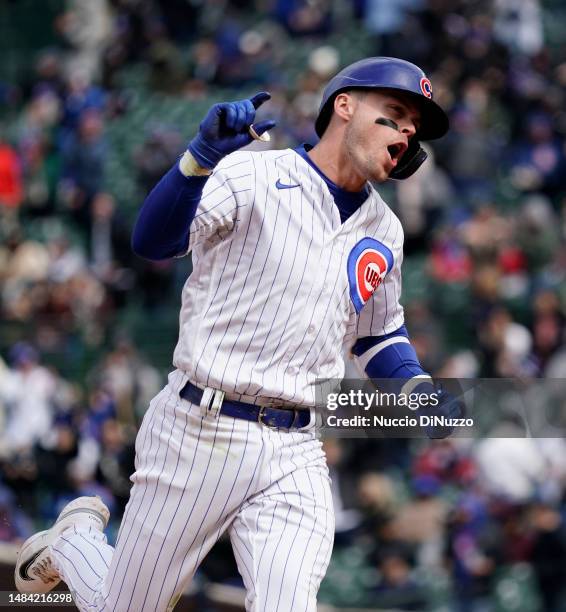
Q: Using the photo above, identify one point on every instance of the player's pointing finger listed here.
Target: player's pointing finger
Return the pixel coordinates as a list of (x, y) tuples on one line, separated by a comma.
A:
[(260, 98)]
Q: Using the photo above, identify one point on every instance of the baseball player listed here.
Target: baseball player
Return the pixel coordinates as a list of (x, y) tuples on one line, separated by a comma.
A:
[(296, 258)]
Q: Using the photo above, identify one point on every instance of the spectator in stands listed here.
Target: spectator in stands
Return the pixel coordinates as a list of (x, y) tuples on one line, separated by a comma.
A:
[(538, 161), (548, 327), (386, 20), (27, 391), (472, 549), (15, 526), (128, 379), (11, 188), (521, 464), (420, 522), (101, 409), (397, 588), (303, 18), (549, 555), (48, 75), (53, 459), (109, 249), (116, 462), (87, 27), (518, 25), (83, 164)]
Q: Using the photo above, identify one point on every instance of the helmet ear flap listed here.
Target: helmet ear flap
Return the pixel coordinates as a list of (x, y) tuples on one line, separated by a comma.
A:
[(411, 161)]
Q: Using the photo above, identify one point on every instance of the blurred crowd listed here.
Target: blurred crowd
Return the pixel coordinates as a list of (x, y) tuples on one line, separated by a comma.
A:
[(59, 440), (470, 510), (485, 260)]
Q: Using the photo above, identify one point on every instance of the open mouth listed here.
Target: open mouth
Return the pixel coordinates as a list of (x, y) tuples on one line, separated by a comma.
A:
[(395, 151)]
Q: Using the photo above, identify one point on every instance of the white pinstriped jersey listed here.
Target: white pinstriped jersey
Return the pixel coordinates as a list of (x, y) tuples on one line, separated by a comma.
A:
[(279, 285)]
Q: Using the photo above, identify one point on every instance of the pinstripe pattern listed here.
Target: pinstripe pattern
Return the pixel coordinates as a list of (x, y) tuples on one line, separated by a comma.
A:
[(264, 315), (291, 520), (240, 331), (196, 478), (83, 556)]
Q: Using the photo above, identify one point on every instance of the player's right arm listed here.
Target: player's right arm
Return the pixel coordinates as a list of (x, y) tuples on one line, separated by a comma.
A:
[(162, 228)]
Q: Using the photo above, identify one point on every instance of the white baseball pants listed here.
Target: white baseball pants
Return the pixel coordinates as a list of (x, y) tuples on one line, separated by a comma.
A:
[(196, 477)]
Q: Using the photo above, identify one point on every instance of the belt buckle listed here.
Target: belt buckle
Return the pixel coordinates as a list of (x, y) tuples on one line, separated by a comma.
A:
[(260, 416), (296, 415)]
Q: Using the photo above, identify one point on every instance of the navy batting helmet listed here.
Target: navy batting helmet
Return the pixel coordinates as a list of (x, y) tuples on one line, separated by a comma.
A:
[(389, 73)]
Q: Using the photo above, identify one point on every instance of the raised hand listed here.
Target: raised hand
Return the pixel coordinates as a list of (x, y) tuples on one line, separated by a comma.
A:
[(226, 129)]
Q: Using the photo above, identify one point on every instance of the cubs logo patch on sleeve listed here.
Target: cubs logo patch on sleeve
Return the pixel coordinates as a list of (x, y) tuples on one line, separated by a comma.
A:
[(368, 263)]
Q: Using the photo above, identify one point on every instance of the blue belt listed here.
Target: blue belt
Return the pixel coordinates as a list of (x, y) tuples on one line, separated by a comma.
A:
[(284, 418)]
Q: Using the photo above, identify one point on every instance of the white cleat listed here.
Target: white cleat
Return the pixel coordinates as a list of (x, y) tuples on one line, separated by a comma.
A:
[(34, 571)]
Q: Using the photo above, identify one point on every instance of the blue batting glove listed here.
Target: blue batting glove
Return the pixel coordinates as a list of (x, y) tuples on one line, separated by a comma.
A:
[(225, 129), (448, 407)]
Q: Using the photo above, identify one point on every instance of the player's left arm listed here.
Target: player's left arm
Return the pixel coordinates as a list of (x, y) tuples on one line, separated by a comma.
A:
[(393, 357), (383, 349)]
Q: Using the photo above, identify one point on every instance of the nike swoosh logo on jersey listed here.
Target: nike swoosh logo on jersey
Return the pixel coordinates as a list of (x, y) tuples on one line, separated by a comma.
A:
[(281, 185)]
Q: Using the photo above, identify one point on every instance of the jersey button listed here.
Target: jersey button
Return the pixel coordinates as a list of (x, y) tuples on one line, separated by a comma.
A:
[(311, 329), (292, 370)]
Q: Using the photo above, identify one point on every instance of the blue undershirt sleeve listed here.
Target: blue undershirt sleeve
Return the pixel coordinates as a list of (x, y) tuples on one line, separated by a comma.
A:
[(162, 227), (392, 360), (388, 356)]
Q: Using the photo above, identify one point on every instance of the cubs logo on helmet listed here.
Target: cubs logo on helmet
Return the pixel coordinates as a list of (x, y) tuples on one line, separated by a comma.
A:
[(426, 87), (368, 264)]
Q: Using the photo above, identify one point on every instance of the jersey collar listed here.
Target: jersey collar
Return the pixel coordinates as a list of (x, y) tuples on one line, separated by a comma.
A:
[(347, 202)]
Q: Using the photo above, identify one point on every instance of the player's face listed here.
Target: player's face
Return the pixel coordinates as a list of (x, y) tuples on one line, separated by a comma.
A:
[(376, 149)]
